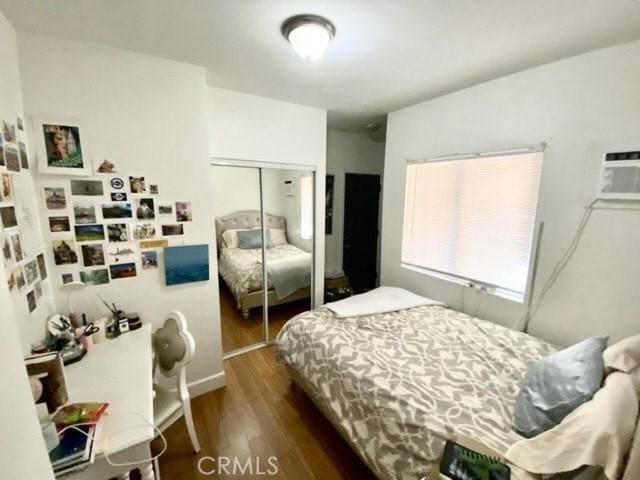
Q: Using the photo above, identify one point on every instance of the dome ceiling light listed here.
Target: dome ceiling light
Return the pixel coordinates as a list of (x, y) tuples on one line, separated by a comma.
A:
[(309, 35)]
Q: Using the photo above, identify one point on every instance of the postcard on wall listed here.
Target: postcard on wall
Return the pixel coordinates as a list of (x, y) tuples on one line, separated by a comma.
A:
[(95, 277), (84, 212), (19, 275), (121, 254), (116, 210), (145, 209), (24, 158), (42, 266), (38, 289), (149, 260), (153, 189), (9, 132), (183, 212), (186, 264), (31, 271), (93, 255), (122, 270), (90, 188), (2, 162), (67, 278), (11, 158), (8, 216), (6, 188), (89, 233), (176, 229), (17, 247), (106, 166), (7, 255), (31, 301), (64, 252), (154, 244), (137, 185), (117, 232), (11, 281), (144, 231), (62, 148), (55, 198), (165, 209), (59, 224)]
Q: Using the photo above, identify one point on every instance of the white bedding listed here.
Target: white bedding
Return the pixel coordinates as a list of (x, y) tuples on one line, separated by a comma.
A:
[(379, 300)]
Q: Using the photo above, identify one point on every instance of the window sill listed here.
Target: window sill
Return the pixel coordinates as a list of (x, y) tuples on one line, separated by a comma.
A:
[(498, 292)]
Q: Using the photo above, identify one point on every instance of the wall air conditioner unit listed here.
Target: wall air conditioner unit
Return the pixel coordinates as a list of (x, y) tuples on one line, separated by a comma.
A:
[(620, 176)]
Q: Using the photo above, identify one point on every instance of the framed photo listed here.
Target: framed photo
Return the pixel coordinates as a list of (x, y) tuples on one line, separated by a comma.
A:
[(62, 147)]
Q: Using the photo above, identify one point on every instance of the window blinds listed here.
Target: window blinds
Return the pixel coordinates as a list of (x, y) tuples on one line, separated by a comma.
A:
[(473, 218)]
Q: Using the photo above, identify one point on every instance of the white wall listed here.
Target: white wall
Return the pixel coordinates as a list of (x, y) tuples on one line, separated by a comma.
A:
[(258, 129), (25, 455), (347, 153), (146, 115), (582, 106)]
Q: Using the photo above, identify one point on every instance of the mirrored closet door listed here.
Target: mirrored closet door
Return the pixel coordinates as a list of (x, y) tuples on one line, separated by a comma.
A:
[(264, 227)]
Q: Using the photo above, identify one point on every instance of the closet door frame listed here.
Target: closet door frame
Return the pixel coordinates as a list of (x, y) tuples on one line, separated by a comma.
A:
[(234, 162)]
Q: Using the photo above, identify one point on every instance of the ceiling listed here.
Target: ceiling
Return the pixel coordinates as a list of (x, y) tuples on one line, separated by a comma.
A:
[(386, 55)]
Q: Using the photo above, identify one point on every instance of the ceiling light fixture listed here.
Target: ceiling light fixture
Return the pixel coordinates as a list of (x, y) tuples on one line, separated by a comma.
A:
[(309, 35)]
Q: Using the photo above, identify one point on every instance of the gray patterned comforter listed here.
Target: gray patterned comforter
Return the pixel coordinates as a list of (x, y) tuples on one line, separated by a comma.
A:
[(398, 384)]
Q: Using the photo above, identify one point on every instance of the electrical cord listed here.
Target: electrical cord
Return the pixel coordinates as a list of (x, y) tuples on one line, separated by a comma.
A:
[(525, 320), (104, 452)]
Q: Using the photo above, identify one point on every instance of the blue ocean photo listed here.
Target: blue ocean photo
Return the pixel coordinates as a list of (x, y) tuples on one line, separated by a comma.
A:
[(186, 264)]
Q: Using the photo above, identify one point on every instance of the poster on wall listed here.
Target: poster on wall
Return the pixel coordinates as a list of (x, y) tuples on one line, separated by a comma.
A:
[(62, 148), (328, 215), (186, 264)]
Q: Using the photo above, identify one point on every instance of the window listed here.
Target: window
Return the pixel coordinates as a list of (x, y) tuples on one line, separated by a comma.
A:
[(473, 219), (306, 207)]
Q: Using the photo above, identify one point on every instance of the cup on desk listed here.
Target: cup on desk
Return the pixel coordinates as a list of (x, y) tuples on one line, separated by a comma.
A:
[(101, 334)]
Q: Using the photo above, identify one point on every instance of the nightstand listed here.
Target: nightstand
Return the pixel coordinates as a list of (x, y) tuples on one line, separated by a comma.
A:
[(337, 288)]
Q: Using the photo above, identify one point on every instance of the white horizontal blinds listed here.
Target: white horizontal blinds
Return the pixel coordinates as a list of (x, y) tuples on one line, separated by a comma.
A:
[(473, 218)]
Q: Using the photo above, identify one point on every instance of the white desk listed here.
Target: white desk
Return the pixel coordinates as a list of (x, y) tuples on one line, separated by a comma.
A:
[(118, 372)]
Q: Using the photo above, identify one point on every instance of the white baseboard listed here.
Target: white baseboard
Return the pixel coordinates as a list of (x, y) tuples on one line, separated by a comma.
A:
[(207, 384)]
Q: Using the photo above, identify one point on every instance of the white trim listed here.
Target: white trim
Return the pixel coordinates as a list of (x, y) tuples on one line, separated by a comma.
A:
[(206, 384), (468, 156), (235, 162)]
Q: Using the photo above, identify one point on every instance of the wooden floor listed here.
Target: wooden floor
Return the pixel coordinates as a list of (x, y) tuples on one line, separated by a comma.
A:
[(260, 414), (238, 331)]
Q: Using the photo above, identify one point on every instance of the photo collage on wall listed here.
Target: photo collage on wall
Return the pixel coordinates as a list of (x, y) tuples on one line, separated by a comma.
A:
[(25, 269), (109, 226)]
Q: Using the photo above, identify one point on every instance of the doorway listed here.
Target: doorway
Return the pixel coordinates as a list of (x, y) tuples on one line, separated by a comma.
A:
[(361, 230)]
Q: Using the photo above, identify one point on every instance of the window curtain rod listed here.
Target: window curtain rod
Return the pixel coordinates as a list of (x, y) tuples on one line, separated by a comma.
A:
[(468, 156)]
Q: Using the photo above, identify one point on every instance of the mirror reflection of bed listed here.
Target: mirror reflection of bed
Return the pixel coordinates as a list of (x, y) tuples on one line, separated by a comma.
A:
[(286, 200)]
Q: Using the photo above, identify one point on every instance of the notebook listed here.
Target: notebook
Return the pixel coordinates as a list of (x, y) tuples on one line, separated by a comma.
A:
[(74, 449)]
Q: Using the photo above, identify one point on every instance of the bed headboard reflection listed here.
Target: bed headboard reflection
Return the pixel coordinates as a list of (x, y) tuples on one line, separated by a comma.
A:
[(246, 219)]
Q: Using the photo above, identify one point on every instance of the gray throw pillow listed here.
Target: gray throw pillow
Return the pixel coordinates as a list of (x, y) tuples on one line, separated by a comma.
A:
[(557, 385), (250, 239)]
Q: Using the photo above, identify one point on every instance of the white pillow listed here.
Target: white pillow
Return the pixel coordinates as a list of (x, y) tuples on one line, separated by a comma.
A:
[(230, 238), (278, 237), (624, 355)]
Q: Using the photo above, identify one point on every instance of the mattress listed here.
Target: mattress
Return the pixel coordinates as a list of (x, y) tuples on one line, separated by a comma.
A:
[(241, 269), (398, 384)]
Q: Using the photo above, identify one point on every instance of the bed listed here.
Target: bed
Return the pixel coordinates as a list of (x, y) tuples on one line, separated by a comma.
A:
[(396, 385), (288, 266)]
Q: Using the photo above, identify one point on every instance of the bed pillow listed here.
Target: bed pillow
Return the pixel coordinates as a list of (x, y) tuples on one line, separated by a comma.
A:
[(250, 239), (623, 356), (557, 385), (278, 237), (230, 238)]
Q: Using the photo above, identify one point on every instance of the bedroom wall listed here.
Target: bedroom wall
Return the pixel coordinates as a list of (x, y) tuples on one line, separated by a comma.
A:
[(347, 153), (146, 115), (582, 106), (249, 127), (25, 456)]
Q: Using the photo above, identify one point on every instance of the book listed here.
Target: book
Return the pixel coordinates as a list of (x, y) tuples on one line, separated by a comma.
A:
[(74, 448), (462, 463)]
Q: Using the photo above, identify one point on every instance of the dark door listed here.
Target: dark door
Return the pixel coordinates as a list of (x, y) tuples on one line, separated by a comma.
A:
[(360, 247)]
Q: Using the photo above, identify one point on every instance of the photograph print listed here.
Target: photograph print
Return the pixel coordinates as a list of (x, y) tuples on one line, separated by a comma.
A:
[(11, 158), (149, 260), (116, 210), (176, 229), (67, 278), (186, 264), (55, 198), (1, 151), (8, 216), (137, 185), (84, 212), (62, 149), (89, 233), (64, 252), (183, 212), (165, 209), (144, 231), (7, 256), (24, 159), (31, 301), (106, 167), (9, 131), (121, 254), (31, 271), (42, 266), (59, 224), (19, 276), (93, 255), (117, 232), (17, 247), (122, 270), (89, 188), (153, 189), (145, 209), (6, 188), (95, 277)]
